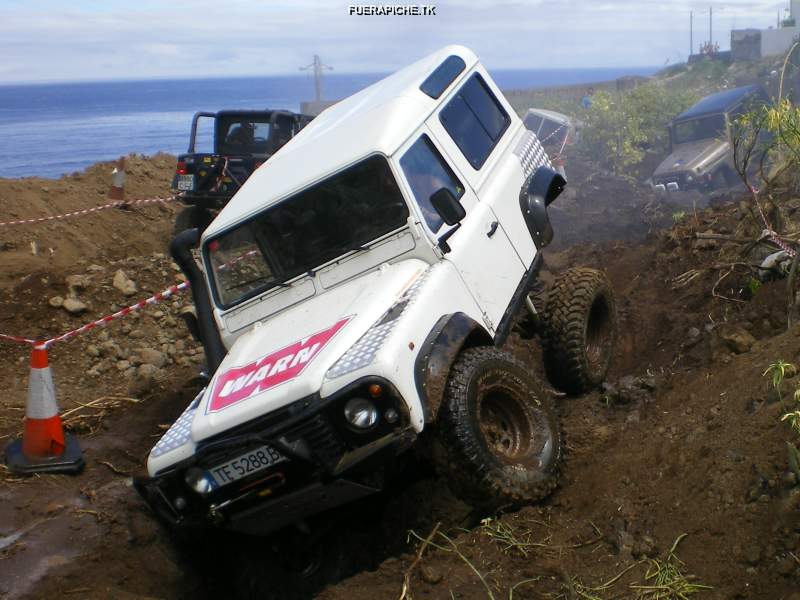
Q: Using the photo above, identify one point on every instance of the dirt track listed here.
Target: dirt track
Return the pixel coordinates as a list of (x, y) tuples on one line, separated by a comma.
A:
[(693, 446)]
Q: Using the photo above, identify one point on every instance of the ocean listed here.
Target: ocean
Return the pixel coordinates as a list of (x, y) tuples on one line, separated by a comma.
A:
[(48, 130)]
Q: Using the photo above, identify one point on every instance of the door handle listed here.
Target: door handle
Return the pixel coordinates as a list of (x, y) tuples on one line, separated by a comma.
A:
[(492, 228)]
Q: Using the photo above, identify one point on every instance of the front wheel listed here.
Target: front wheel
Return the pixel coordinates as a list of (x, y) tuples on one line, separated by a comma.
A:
[(580, 329), (498, 433)]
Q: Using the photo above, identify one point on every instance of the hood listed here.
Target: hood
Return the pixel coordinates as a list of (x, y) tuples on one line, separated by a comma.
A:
[(286, 357), (688, 157)]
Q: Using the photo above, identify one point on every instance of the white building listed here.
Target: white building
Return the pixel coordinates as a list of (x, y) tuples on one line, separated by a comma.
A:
[(752, 44)]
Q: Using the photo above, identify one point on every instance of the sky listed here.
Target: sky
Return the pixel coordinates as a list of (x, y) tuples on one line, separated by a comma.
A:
[(87, 40)]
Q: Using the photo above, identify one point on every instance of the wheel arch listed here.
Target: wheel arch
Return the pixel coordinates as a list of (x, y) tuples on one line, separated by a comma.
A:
[(449, 337)]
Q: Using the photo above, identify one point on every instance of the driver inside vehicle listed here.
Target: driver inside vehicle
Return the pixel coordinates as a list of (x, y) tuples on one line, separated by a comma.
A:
[(240, 135)]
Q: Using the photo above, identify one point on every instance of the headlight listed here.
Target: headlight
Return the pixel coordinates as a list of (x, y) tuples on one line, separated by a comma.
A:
[(200, 481), (360, 413)]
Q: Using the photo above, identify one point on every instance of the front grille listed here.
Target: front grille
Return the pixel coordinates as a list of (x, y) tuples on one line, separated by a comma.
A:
[(320, 437)]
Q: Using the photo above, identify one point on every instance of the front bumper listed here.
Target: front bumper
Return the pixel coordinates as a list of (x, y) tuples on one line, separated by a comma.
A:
[(325, 468)]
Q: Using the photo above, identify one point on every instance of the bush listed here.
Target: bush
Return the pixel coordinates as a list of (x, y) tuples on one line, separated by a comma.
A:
[(620, 129)]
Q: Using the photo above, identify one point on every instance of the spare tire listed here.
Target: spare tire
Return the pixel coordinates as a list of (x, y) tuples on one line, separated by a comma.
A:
[(498, 439), (579, 330)]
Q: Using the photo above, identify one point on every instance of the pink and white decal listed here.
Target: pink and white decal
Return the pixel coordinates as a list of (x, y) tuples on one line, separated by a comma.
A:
[(240, 383)]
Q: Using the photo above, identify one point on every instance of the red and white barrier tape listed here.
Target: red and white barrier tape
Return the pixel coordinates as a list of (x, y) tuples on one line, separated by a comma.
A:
[(155, 299), (87, 211), (770, 231)]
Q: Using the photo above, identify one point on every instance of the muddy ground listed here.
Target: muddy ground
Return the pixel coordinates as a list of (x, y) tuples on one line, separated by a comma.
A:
[(685, 444)]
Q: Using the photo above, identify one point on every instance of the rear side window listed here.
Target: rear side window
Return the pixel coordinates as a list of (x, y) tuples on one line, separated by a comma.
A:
[(475, 120), (427, 172), (533, 122)]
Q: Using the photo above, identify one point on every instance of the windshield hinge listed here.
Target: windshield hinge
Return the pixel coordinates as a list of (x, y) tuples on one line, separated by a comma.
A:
[(487, 321)]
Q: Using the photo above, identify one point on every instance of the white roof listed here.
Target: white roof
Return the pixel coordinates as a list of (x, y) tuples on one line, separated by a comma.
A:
[(548, 114), (378, 119)]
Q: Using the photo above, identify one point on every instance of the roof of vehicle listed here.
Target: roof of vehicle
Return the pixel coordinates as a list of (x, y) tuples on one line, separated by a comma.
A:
[(378, 119), (548, 114), (720, 102)]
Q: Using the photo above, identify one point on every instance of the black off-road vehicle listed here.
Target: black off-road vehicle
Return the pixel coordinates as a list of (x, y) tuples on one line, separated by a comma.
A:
[(243, 140)]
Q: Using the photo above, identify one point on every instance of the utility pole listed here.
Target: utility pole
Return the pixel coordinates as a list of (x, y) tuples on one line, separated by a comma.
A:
[(317, 67), (691, 33), (710, 26)]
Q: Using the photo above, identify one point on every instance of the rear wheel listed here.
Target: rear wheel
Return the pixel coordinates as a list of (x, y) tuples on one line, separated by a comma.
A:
[(499, 435), (579, 330)]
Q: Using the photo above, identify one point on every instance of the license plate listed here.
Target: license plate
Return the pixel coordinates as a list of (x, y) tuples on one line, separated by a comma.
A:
[(186, 182), (246, 464)]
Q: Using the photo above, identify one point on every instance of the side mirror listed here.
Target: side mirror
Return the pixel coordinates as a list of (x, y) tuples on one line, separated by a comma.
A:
[(448, 206)]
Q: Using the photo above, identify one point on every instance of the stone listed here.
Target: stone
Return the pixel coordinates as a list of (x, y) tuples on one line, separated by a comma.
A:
[(56, 301), (430, 575), (77, 282), (95, 269), (92, 350), (737, 339), (152, 357), (123, 365), (74, 306), (143, 379), (124, 284), (136, 334)]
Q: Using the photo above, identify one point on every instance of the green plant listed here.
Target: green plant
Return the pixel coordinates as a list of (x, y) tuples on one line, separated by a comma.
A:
[(778, 371), (753, 285), (621, 128), (678, 216), (665, 580)]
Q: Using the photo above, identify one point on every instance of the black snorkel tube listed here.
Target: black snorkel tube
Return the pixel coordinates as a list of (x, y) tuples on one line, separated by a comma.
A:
[(181, 251)]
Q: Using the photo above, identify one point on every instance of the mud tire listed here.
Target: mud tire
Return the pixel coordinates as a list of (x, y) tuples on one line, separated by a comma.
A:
[(498, 439), (579, 330)]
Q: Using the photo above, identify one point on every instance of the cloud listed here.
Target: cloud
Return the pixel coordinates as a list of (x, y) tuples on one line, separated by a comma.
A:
[(88, 39)]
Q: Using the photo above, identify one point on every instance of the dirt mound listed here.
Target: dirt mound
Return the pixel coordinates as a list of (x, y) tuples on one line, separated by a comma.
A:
[(58, 246)]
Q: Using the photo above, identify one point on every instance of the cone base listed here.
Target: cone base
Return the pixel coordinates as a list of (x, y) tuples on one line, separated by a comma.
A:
[(69, 463)]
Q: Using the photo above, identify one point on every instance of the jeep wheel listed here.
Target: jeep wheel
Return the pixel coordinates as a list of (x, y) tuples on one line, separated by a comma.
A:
[(579, 330), (191, 217), (499, 436)]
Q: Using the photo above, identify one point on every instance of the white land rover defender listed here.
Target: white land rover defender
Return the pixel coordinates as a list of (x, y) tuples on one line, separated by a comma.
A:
[(352, 301)]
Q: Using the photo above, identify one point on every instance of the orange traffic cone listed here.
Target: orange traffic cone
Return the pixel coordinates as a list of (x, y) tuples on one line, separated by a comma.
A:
[(44, 447), (117, 191)]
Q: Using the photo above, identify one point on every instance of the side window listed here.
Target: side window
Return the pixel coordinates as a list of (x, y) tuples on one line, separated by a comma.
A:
[(533, 122), (427, 172), (475, 120)]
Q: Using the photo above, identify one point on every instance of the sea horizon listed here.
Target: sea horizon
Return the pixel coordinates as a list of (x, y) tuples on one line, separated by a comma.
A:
[(53, 129)]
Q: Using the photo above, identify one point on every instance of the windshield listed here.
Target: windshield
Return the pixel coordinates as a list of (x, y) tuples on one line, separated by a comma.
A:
[(698, 129), (338, 215), (240, 134)]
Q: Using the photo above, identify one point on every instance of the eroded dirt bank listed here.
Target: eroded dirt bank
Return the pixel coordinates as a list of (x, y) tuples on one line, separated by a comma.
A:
[(686, 440)]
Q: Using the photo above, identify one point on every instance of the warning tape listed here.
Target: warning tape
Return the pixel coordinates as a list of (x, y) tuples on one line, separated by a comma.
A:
[(155, 299), (769, 230), (87, 211)]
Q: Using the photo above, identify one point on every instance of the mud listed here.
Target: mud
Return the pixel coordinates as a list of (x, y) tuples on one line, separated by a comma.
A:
[(689, 447)]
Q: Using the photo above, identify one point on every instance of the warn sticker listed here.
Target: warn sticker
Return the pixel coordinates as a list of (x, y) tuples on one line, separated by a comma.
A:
[(241, 383)]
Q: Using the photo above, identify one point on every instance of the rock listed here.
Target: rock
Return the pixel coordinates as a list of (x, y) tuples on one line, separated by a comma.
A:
[(95, 269), (152, 357), (789, 479), (136, 334), (56, 301), (77, 282), (74, 306), (143, 379), (92, 350), (737, 339), (430, 575), (124, 284), (122, 365)]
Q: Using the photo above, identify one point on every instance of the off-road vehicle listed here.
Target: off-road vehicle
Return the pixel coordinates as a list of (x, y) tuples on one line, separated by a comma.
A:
[(353, 300), (701, 147), (242, 141)]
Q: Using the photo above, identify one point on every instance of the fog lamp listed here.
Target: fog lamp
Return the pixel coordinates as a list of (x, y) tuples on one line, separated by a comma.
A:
[(200, 481), (360, 413)]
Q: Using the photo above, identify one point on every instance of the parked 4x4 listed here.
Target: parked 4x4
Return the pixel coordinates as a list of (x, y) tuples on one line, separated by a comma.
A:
[(701, 148), (354, 300), (243, 141)]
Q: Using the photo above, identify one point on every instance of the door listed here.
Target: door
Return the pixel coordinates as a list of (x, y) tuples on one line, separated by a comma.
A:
[(479, 248)]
